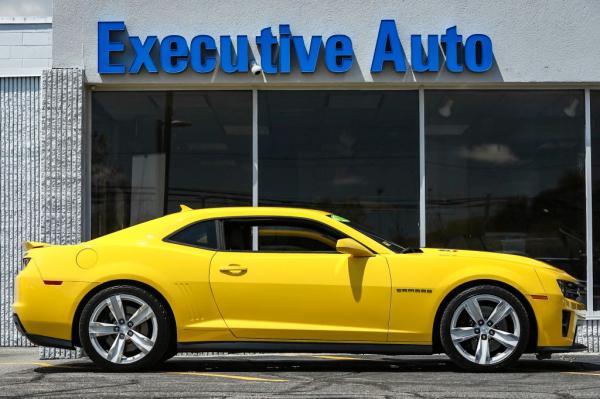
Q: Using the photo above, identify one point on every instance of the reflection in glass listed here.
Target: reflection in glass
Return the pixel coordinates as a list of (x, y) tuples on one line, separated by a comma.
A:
[(152, 151), (354, 153), (505, 173)]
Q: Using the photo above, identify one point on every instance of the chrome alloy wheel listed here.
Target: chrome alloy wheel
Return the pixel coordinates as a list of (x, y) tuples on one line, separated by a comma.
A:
[(123, 329), (485, 329)]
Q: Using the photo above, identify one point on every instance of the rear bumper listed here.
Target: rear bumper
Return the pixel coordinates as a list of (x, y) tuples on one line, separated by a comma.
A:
[(42, 340), (46, 310)]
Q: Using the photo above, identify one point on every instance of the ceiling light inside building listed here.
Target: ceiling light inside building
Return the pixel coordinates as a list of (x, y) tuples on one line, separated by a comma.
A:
[(571, 109), (446, 109), (179, 123)]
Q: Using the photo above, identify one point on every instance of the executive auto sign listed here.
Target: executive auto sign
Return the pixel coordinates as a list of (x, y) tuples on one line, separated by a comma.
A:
[(174, 54)]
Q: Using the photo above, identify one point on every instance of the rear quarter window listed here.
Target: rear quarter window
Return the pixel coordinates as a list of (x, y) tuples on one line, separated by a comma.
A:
[(201, 235)]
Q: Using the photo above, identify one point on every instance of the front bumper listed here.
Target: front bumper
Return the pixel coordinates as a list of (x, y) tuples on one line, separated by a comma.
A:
[(575, 347), (562, 349), (557, 321)]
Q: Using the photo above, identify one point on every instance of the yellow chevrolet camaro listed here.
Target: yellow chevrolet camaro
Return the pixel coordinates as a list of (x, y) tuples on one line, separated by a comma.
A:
[(257, 279)]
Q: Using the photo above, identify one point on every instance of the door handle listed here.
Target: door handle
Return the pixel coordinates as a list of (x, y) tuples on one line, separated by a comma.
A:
[(234, 270)]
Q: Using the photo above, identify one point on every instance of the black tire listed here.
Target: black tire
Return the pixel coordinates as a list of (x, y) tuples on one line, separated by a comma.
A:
[(159, 351), (471, 365), (172, 351)]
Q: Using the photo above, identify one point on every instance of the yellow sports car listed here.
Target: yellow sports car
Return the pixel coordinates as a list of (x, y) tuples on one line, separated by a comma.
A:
[(287, 280)]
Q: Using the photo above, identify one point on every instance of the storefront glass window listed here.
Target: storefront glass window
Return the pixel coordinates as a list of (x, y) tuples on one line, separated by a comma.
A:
[(505, 173), (152, 151), (354, 153)]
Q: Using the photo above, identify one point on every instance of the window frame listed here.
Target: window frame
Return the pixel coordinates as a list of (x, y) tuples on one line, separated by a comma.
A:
[(221, 235)]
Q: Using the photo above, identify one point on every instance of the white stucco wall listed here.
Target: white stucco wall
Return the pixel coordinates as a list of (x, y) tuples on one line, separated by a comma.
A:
[(25, 45), (534, 41)]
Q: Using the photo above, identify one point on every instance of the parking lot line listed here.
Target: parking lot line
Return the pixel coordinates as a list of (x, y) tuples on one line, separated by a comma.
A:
[(234, 377), (41, 364), (336, 357), (581, 373)]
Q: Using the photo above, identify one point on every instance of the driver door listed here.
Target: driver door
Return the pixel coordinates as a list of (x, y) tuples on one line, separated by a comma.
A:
[(296, 286)]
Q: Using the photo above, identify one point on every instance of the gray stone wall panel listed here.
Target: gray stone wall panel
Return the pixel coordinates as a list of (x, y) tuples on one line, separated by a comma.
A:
[(20, 180), (62, 164), (589, 334)]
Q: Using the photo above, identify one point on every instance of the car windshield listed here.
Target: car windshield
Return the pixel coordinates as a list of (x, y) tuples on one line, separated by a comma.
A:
[(387, 243)]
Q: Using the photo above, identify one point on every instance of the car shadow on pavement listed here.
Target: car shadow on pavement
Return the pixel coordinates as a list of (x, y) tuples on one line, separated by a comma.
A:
[(306, 364)]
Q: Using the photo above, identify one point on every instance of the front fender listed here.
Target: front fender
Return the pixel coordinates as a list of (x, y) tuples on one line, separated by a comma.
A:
[(420, 284)]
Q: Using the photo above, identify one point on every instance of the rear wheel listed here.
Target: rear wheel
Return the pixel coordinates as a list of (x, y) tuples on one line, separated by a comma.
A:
[(125, 328), (484, 328)]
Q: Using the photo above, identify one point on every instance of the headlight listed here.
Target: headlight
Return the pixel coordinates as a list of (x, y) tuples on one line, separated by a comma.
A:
[(571, 290), (25, 262)]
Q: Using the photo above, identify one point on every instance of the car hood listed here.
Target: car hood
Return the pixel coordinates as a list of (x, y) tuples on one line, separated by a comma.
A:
[(491, 256)]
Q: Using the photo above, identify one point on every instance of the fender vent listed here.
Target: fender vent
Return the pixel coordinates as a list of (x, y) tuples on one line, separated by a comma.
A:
[(566, 320)]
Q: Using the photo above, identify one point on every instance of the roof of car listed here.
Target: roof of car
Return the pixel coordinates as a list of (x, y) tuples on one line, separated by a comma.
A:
[(256, 210), (168, 223)]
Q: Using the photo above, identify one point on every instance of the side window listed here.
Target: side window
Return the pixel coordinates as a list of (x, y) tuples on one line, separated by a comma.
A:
[(237, 234), (280, 235), (296, 237), (202, 234)]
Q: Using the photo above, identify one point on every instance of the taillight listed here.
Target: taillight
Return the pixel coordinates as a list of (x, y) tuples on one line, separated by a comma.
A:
[(25, 262)]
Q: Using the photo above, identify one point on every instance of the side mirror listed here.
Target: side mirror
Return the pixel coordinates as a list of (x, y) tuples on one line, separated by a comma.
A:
[(352, 247)]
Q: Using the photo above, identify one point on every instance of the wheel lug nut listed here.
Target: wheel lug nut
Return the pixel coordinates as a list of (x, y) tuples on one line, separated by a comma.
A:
[(489, 323), (480, 322), (130, 333), (492, 332), (130, 324), (116, 329), (121, 321), (483, 336), (477, 331), (121, 336)]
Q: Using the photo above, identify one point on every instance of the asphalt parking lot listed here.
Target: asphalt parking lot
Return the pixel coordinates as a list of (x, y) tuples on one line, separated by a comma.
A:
[(300, 375)]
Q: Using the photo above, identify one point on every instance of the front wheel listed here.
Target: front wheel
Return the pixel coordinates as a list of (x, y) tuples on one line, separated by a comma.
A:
[(124, 328), (484, 328)]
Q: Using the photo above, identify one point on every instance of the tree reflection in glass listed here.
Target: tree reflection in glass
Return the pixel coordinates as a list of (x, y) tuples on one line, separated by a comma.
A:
[(505, 173)]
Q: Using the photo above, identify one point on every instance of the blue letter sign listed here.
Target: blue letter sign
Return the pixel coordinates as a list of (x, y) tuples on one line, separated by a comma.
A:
[(388, 48), (286, 52), (105, 47)]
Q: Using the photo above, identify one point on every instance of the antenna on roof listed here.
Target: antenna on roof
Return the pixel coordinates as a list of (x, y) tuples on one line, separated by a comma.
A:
[(184, 208)]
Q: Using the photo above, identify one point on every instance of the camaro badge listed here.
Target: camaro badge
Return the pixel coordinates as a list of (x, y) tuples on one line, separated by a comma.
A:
[(415, 290)]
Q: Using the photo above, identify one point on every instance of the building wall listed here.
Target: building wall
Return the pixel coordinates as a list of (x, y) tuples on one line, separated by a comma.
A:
[(20, 182), (25, 51), (588, 334), (534, 41), (41, 146), (46, 200), (25, 45), (61, 203), (543, 43)]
